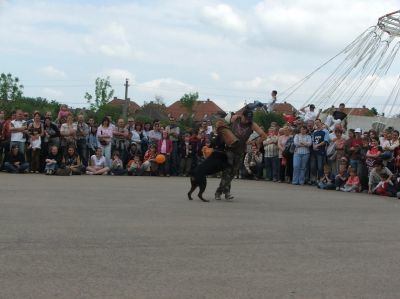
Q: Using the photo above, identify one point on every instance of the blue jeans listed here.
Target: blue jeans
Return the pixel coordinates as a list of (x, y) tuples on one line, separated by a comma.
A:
[(9, 167), (299, 168), (317, 162)]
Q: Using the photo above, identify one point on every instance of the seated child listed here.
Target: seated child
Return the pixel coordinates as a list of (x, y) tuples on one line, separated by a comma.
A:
[(341, 177), (352, 183), (327, 180), (117, 167), (385, 186), (98, 164), (134, 166)]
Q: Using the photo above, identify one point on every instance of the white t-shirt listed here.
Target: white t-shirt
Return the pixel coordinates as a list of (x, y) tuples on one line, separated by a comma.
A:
[(310, 115), (18, 136), (98, 163)]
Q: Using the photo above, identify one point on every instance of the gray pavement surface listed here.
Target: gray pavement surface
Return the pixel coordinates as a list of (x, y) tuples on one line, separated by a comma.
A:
[(139, 237)]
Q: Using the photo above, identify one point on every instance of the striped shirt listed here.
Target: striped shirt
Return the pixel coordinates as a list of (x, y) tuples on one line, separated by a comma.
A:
[(305, 140), (271, 146)]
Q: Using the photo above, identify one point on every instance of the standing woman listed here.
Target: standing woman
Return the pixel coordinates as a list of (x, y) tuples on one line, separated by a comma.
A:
[(68, 134), (340, 144), (284, 134), (36, 133), (302, 141), (104, 137)]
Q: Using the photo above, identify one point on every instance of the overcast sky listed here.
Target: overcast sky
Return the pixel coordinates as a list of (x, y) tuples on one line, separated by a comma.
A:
[(229, 51)]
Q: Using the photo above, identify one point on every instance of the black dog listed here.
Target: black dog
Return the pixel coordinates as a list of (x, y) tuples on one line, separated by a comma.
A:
[(216, 162)]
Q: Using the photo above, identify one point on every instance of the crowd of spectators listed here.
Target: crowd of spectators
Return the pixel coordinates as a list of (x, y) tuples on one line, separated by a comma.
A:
[(305, 151)]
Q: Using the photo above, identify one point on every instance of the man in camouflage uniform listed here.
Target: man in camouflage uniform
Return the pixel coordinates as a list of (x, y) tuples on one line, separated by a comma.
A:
[(242, 126)]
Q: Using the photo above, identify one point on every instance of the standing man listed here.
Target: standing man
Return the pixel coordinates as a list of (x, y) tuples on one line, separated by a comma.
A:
[(82, 133), (18, 130), (320, 139), (339, 114), (174, 132), (242, 127), (309, 113)]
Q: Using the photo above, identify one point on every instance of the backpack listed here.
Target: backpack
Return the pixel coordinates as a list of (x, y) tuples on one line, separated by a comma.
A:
[(331, 151), (289, 148)]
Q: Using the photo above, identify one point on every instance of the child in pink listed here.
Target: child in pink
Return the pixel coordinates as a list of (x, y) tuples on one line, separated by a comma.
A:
[(63, 113), (352, 183)]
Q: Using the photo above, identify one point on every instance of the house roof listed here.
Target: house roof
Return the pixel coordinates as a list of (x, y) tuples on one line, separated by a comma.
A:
[(358, 111), (133, 107), (201, 110), (353, 111)]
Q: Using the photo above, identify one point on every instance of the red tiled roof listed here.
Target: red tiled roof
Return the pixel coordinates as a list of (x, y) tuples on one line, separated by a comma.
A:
[(133, 107), (201, 110), (284, 108), (358, 111)]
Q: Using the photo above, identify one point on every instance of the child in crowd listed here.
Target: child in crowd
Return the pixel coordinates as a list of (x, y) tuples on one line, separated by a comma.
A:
[(98, 164), (327, 181), (341, 177), (352, 183), (385, 187), (149, 164), (117, 167), (186, 155), (63, 113), (134, 166), (373, 153)]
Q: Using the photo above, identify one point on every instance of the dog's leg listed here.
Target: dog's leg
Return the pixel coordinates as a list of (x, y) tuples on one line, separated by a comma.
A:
[(202, 187), (193, 187)]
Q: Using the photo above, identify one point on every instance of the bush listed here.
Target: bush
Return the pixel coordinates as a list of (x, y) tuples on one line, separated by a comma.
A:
[(265, 119)]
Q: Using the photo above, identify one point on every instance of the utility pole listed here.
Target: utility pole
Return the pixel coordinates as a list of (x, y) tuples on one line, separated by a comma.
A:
[(126, 104)]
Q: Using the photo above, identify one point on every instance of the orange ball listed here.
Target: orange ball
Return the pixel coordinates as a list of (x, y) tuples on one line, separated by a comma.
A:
[(160, 159)]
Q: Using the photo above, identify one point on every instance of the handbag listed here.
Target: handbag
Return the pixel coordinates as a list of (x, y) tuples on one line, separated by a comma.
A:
[(331, 151)]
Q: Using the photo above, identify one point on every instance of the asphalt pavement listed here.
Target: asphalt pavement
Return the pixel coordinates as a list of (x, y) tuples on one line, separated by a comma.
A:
[(139, 237)]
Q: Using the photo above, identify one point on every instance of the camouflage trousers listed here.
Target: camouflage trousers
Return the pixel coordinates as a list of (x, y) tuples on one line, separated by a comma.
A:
[(229, 173)]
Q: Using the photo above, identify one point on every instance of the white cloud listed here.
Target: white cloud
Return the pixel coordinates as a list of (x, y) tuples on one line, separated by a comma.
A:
[(215, 76), (53, 93), (314, 25), (52, 72), (111, 40), (277, 82), (168, 88), (119, 75), (223, 16)]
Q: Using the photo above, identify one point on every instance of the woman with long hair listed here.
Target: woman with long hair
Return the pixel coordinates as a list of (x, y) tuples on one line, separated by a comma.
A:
[(104, 137)]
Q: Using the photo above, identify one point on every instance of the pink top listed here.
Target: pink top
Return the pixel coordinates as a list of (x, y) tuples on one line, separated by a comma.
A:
[(105, 131), (164, 147), (353, 181), (62, 114)]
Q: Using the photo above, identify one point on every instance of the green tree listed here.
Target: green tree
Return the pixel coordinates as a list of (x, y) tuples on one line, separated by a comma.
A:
[(10, 87), (188, 101), (265, 119), (373, 111), (102, 94)]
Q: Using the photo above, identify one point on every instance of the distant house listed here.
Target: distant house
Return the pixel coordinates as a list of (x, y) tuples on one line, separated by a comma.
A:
[(132, 106), (364, 111), (284, 107), (201, 110)]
